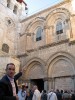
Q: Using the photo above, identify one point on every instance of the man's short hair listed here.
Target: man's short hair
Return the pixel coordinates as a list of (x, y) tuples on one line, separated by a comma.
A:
[(9, 64)]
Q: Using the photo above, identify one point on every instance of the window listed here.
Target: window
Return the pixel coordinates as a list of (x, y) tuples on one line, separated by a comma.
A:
[(8, 3), (59, 28), (15, 9), (5, 48), (38, 34)]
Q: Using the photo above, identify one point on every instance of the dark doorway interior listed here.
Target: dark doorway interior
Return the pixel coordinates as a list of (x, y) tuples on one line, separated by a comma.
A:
[(39, 83)]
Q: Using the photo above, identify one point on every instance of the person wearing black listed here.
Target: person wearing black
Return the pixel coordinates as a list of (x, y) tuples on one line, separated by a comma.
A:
[(59, 95), (73, 96), (8, 85), (30, 95), (44, 95)]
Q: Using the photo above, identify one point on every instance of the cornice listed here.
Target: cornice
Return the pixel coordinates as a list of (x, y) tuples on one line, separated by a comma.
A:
[(47, 9), (45, 47), (21, 55), (49, 45)]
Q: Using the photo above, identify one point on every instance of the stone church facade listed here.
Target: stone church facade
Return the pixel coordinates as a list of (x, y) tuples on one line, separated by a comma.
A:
[(44, 44), (47, 47)]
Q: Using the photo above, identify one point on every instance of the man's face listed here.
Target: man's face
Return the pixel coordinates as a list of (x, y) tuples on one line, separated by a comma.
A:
[(10, 71)]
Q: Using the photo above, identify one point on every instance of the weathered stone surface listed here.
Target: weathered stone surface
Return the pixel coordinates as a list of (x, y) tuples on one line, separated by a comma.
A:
[(51, 59)]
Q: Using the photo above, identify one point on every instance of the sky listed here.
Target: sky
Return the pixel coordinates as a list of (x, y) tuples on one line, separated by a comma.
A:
[(35, 6)]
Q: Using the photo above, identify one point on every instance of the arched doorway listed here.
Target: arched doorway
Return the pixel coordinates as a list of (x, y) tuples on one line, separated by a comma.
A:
[(62, 72), (35, 73), (39, 82)]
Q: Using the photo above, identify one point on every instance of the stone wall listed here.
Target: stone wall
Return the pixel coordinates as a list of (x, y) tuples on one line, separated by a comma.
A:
[(54, 54), (9, 34)]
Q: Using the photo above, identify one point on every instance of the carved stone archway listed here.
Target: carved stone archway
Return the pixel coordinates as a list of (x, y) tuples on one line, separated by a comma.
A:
[(61, 68), (34, 72)]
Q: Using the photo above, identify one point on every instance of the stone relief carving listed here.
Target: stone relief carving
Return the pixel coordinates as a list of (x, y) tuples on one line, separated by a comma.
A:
[(9, 22), (35, 72)]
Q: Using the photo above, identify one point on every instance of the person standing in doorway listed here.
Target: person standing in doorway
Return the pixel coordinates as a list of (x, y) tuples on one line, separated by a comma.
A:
[(8, 85)]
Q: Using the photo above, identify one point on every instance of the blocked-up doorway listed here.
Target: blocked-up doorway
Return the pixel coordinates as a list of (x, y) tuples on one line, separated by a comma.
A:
[(39, 83)]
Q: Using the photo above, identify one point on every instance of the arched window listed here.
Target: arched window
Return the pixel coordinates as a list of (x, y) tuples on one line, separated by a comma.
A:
[(8, 3), (15, 9), (5, 48), (38, 34), (59, 28)]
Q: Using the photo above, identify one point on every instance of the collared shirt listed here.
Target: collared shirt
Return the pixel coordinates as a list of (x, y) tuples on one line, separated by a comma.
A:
[(13, 85)]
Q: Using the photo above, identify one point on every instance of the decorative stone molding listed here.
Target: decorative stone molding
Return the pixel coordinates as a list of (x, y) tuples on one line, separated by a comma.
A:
[(9, 22)]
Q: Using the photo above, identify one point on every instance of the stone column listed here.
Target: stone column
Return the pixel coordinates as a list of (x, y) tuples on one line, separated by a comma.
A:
[(46, 29), (72, 29), (51, 83), (45, 83), (48, 83), (25, 42), (73, 78), (49, 30), (74, 82)]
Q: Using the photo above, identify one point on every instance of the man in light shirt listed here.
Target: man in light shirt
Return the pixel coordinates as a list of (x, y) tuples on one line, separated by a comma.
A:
[(52, 95), (37, 94), (8, 85)]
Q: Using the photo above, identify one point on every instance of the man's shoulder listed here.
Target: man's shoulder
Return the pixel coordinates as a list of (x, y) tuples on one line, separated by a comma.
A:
[(52, 93), (4, 79), (37, 92)]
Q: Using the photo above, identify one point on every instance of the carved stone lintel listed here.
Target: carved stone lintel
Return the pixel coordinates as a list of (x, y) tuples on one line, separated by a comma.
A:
[(47, 79)]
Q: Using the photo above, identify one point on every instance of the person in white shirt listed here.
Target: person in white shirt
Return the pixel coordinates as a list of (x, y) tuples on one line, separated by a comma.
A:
[(52, 95), (37, 94)]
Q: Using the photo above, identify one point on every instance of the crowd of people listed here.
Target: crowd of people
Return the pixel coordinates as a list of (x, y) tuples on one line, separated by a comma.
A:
[(35, 94), (9, 89)]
